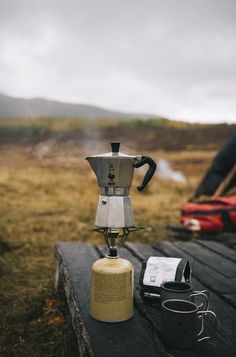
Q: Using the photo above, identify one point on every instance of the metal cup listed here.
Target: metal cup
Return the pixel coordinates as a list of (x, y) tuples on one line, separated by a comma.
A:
[(181, 323), (184, 291)]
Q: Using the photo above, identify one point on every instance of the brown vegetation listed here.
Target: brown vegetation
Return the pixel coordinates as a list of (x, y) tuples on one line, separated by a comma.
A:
[(49, 194)]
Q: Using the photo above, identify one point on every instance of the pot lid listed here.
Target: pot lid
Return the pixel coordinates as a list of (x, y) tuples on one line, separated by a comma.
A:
[(115, 146)]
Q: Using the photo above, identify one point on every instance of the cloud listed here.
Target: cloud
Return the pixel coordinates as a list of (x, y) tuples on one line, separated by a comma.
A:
[(173, 58)]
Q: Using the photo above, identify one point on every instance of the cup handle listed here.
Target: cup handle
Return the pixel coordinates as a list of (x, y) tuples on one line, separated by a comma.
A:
[(201, 315), (205, 295)]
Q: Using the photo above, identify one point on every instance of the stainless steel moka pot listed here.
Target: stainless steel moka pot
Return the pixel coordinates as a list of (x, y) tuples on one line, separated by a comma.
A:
[(114, 172), (111, 295)]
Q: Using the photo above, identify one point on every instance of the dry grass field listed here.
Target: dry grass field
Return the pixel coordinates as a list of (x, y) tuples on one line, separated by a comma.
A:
[(51, 199), (49, 194)]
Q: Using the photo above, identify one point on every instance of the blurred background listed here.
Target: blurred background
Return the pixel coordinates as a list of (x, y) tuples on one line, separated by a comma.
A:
[(158, 76)]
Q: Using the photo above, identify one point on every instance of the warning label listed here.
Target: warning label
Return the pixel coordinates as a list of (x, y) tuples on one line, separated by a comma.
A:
[(111, 287)]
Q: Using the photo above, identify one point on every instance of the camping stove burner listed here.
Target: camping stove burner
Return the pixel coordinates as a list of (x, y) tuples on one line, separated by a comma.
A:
[(114, 235)]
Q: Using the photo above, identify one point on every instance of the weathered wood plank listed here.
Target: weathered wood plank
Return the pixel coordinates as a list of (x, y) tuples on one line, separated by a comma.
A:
[(207, 275), (213, 347), (130, 338), (219, 248), (206, 257), (226, 314), (70, 278), (231, 299), (231, 241)]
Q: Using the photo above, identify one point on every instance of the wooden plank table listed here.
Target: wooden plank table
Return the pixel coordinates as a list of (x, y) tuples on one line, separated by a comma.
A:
[(213, 268)]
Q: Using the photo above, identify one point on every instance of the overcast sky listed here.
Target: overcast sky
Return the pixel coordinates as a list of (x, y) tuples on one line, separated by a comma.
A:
[(175, 58)]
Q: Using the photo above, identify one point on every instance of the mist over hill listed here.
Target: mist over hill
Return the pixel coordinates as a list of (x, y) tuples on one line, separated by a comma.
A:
[(11, 107)]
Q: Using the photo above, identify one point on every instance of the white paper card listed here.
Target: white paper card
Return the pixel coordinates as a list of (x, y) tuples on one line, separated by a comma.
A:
[(159, 270)]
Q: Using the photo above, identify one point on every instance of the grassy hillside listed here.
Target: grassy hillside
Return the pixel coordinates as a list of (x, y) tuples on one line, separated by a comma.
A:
[(152, 134)]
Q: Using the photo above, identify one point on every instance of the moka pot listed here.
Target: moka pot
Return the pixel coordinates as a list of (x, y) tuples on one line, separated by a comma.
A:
[(114, 172)]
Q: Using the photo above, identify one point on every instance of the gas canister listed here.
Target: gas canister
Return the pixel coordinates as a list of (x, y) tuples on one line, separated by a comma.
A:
[(112, 290)]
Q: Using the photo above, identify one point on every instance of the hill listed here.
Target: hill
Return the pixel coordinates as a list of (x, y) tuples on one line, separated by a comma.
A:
[(152, 134), (11, 107)]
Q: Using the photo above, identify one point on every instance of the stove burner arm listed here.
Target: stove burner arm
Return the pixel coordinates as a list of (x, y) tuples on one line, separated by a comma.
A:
[(111, 235)]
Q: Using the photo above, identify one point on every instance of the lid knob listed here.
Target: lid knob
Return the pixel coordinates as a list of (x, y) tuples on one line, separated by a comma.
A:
[(115, 146)]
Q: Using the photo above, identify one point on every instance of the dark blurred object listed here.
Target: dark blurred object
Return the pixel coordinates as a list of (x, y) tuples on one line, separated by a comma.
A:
[(222, 168), (212, 216)]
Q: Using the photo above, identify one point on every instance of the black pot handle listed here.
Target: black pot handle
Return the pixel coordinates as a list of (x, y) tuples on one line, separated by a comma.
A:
[(150, 172)]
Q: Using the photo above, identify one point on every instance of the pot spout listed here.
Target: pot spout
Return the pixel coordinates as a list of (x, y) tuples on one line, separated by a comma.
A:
[(93, 163)]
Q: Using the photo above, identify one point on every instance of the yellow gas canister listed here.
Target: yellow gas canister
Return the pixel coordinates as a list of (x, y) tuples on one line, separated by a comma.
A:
[(111, 290)]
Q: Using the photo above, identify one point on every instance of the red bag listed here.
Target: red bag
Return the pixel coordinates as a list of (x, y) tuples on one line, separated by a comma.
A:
[(214, 215)]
